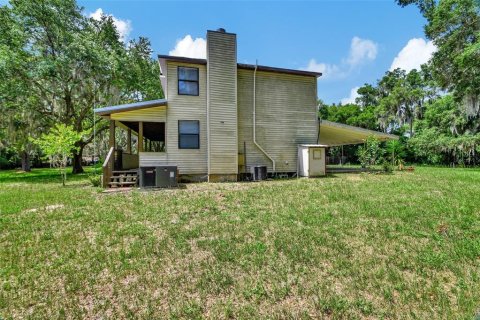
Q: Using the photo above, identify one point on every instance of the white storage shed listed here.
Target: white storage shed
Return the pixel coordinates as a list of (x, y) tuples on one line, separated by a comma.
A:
[(311, 160)]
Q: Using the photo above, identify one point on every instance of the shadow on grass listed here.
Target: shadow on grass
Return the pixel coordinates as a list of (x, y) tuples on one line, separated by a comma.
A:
[(42, 175), (159, 189), (328, 175)]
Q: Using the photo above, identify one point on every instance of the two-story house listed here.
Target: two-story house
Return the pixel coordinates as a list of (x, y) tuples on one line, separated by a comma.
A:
[(219, 117)]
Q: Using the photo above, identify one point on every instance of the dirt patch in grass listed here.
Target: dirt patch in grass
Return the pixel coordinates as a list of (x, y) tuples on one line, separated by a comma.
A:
[(48, 208)]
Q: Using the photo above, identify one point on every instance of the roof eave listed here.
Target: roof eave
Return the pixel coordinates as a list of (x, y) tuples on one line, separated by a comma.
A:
[(163, 58), (279, 70), (182, 59)]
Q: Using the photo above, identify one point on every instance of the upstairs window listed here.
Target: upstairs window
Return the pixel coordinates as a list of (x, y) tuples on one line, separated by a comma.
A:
[(189, 134), (188, 81)]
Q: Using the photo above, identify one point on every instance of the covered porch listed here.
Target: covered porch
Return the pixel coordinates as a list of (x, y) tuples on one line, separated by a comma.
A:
[(137, 132)]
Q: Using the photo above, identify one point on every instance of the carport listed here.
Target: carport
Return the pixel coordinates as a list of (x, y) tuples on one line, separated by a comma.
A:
[(336, 134)]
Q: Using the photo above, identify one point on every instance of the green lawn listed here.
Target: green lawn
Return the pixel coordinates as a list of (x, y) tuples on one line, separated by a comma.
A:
[(405, 245)]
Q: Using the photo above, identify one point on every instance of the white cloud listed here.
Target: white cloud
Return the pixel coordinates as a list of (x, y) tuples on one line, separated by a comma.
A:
[(353, 95), (327, 70), (124, 27), (414, 54), (187, 47), (361, 50)]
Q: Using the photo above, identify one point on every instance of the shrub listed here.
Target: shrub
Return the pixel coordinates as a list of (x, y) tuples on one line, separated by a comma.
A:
[(9, 158), (4, 163), (370, 153), (387, 166), (95, 180), (395, 151)]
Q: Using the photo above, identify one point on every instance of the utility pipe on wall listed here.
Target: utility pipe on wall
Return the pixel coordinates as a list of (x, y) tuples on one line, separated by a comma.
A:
[(254, 118)]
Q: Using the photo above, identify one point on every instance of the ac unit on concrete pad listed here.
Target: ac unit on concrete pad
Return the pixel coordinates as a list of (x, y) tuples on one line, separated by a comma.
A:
[(258, 172), (159, 177), (167, 177)]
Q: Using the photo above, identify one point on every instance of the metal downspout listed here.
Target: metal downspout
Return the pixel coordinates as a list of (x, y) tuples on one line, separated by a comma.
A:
[(254, 119)]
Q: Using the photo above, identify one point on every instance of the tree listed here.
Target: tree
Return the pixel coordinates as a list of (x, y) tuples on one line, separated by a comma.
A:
[(454, 27), (20, 125), (444, 136), (18, 120), (444, 115), (368, 95), (350, 114), (402, 97), (449, 130), (59, 145), (68, 63)]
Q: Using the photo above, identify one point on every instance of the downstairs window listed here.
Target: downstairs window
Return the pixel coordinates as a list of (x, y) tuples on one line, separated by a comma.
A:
[(188, 134)]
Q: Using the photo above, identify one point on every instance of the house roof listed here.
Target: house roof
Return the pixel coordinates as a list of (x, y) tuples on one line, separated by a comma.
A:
[(105, 111), (338, 134), (243, 66)]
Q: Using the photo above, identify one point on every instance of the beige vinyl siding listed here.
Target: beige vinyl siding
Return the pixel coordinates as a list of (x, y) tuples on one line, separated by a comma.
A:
[(285, 117), (152, 159), (155, 114), (183, 107), (222, 103)]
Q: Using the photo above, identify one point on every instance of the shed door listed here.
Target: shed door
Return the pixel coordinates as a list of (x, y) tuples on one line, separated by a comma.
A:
[(317, 162)]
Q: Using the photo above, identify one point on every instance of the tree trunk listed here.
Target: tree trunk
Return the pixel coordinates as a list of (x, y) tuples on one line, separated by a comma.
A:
[(77, 161), (411, 127), (25, 161)]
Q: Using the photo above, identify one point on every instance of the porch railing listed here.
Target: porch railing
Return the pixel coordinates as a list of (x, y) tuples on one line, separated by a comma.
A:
[(129, 161)]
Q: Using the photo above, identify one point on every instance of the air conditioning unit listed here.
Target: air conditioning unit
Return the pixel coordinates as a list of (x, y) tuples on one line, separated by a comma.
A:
[(167, 177), (258, 172), (147, 177), (159, 177)]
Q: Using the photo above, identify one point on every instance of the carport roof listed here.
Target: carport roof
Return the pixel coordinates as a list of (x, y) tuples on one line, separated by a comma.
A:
[(338, 134)]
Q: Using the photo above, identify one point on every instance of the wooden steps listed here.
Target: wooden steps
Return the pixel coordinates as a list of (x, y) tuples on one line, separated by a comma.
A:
[(123, 178), (122, 183)]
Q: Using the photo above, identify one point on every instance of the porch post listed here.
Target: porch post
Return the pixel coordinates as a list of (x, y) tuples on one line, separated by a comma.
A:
[(111, 138), (129, 140), (109, 166), (140, 137)]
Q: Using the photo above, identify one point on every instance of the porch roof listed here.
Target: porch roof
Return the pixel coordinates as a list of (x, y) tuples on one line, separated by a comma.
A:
[(105, 111), (338, 134)]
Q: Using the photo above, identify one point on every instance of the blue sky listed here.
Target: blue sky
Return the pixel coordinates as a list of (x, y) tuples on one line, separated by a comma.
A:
[(352, 42)]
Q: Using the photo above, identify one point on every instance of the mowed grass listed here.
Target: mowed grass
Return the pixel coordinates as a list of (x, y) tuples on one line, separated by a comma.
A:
[(348, 246)]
